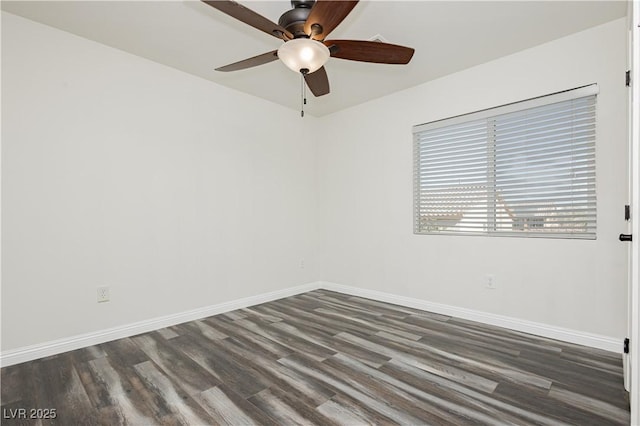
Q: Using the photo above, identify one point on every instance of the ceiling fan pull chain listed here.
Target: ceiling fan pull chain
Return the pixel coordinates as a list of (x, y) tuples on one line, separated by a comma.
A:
[(303, 93)]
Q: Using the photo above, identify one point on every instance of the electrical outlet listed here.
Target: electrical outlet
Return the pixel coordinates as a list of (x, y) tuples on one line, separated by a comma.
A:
[(103, 294), (301, 263), (490, 282)]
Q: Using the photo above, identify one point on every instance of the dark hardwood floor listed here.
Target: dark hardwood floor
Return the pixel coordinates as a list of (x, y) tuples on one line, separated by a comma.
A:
[(322, 358)]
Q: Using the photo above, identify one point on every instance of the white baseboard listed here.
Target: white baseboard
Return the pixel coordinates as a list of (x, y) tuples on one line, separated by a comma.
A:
[(539, 329), (30, 353)]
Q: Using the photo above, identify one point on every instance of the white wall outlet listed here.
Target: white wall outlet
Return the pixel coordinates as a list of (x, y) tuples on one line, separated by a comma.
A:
[(490, 282), (103, 294), (301, 263)]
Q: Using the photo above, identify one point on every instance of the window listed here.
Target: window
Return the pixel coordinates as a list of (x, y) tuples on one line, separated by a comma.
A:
[(523, 169)]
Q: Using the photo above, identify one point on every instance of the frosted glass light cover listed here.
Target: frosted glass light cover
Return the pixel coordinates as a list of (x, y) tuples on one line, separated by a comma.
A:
[(303, 53)]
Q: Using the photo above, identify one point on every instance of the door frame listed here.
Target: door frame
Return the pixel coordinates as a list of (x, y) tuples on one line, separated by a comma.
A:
[(634, 264)]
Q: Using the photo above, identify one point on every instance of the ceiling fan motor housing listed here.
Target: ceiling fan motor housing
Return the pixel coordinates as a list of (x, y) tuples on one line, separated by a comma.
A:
[(293, 20)]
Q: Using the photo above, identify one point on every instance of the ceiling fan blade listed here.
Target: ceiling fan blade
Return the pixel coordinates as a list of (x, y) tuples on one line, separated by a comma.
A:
[(318, 82), (328, 14), (369, 51), (250, 17), (265, 58)]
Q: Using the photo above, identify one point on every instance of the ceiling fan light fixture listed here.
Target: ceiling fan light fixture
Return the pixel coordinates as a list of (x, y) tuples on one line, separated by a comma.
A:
[(303, 53)]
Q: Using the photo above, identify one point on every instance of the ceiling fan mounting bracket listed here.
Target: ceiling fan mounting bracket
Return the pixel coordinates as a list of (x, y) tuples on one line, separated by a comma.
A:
[(302, 3)]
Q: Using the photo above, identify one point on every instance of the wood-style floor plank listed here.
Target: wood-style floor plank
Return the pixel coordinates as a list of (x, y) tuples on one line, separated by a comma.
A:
[(323, 358)]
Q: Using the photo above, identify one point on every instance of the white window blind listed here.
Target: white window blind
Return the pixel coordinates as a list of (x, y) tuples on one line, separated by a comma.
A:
[(524, 169)]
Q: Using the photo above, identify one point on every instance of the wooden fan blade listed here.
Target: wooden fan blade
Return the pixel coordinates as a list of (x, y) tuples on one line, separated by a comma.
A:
[(369, 51), (318, 82), (265, 58), (327, 14), (250, 17)]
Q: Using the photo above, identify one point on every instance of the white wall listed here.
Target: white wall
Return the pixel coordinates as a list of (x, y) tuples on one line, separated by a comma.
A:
[(365, 167), (175, 192)]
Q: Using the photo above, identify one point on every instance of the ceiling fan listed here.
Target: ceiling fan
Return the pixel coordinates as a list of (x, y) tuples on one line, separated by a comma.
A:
[(304, 30)]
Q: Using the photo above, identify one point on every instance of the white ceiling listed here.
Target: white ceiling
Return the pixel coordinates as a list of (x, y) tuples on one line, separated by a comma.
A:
[(448, 36)]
